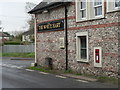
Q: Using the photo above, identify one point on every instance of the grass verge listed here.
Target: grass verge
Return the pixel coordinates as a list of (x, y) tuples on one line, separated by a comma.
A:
[(101, 79), (108, 80), (0, 54), (39, 68), (24, 55)]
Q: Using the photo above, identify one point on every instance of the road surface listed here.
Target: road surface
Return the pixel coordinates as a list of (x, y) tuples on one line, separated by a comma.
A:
[(15, 75)]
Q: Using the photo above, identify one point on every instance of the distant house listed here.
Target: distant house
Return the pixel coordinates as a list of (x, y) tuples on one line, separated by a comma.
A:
[(28, 36), (4, 36)]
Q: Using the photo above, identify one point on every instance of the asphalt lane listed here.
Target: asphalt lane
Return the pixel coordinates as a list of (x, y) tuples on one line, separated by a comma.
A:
[(14, 75), (21, 62)]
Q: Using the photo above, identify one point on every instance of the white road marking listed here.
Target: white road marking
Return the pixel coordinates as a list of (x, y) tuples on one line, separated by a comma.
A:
[(60, 76), (82, 81), (13, 66), (7, 66), (29, 70), (4, 64), (43, 73), (19, 67)]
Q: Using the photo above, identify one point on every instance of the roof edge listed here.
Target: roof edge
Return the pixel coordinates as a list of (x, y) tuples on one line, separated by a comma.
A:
[(49, 6)]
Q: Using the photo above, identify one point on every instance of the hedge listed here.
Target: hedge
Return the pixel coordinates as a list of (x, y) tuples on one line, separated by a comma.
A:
[(12, 43)]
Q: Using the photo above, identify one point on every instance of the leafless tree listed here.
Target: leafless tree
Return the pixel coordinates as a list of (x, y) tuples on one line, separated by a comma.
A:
[(29, 6)]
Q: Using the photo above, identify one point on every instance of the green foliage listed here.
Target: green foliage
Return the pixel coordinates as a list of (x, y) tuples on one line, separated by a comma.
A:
[(26, 43), (39, 68), (0, 54), (78, 74), (103, 79), (26, 55), (19, 37), (12, 43), (32, 55), (68, 71), (108, 80)]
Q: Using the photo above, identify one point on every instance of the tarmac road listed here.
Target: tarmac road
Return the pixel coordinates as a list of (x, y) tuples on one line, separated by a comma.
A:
[(15, 75)]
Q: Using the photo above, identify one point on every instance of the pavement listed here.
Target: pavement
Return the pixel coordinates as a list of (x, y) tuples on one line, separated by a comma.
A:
[(80, 77), (18, 58)]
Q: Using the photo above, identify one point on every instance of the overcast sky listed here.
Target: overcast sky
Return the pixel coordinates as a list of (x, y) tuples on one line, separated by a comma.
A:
[(13, 14)]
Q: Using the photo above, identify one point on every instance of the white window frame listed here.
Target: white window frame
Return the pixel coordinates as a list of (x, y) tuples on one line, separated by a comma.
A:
[(78, 13), (111, 6), (100, 5), (83, 9), (78, 46), (90, 11), (116, 8), (99, 16)]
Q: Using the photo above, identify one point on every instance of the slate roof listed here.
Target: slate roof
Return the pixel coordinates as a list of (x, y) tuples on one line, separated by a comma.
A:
[(44, 5), (30, 32), (3, 35)]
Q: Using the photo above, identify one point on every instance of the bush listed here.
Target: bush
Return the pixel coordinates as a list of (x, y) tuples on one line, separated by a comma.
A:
[(12, 43), (24, 55)]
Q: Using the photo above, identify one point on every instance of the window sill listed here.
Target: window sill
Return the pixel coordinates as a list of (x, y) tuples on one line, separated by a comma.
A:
[(99, 16), (83, 61), (116, 10), (81, 20), (93, 19)]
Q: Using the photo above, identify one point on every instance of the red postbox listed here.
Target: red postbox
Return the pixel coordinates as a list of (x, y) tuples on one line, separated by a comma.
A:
[(97, 55)]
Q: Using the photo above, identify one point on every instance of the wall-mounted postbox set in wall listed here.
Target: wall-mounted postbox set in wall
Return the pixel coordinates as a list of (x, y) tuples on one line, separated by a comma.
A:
[(97, 56)]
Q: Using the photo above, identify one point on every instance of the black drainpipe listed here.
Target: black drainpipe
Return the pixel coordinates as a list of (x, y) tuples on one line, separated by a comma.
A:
[(66, 37)]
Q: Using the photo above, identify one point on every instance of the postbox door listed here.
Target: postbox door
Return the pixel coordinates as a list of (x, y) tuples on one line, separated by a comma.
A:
[(97, 56)]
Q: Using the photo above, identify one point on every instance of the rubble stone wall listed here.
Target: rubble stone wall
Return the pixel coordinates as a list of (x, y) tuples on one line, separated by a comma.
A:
[(101, 33)]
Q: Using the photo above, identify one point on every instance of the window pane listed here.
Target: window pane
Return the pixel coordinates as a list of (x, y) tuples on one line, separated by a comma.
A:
[(83, 47), (83, 13), (83, 4), (117, 3), (83, 54), (98, 11), (83, 41), (83, 9), (97, 2)]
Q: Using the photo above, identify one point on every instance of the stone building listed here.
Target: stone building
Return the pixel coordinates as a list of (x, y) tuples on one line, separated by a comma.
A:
[(87, 41)]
